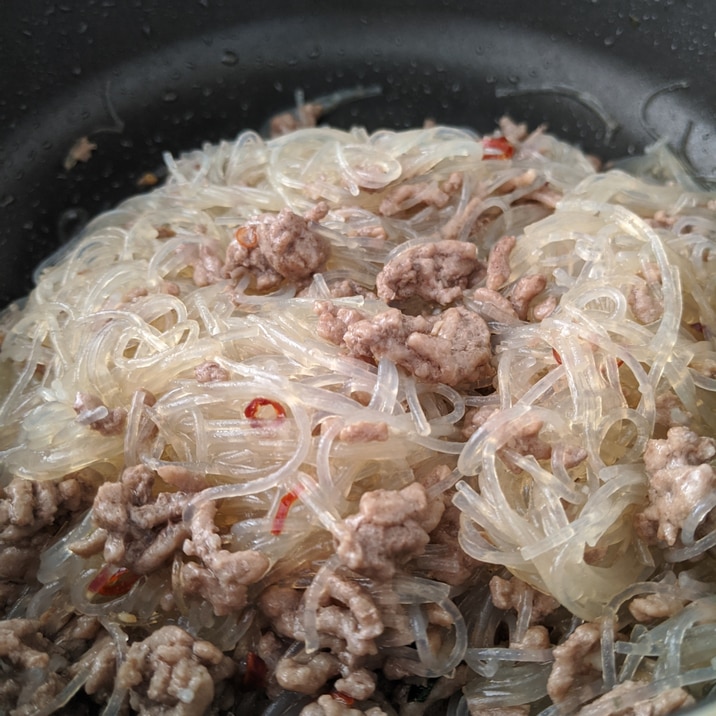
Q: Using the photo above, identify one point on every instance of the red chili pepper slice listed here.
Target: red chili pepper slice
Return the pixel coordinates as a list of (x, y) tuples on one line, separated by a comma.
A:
[(497, 148), (112, 581), (345, 699), (255, 675), (284, 505), (247, 236), (260, 409)]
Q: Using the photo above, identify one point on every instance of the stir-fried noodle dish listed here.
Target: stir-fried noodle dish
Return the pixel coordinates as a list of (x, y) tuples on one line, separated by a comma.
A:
[(413, 422)]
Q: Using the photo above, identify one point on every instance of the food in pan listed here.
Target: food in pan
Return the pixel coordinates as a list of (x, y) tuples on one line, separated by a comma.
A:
[(395, 423)]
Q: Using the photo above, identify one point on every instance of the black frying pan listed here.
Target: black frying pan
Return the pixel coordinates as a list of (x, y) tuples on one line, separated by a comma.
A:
[(140, 77)]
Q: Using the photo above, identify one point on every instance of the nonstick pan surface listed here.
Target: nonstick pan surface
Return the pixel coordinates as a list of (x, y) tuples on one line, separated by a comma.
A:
[(142, 77)]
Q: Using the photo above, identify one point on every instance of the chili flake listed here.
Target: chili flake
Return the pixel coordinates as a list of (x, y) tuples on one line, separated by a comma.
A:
[(261, 409), (254, 678), (112, 581), (342, 698), (284, 506), (247, 236), (497, 148)]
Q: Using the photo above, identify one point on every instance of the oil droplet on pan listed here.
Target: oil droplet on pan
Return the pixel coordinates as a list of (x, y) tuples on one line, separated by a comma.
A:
[(229, 58)]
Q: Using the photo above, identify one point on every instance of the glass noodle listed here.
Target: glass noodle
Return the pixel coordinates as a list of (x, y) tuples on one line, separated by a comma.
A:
[(119, 314)]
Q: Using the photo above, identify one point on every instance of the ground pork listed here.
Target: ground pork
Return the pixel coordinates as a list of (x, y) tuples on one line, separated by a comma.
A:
[(471, 219), (93, 412), (364, 431), (644, 304), (576, 661), (210, 371), (512, 131), (80, 151), (348, 611), (662, 219), (336, 705), (307, 673), (536, 637), (307, 115), (103, 668), (101, 658), (27, 507), (493, 306), (23, 644), (90, 545), (282, 606), (511, 594), (141, 533), (77, 490), (524, 439), (452, 565), (407, 196), (72, 638), (29, 512), (30, 701), (46, 653), (181, 478), (207, 264), (498, 263), (358, 684), (257, 669), (524, 291), (436, 271), (165, 231), (223, 577), (278, 247), (172, 673), (475, 418), (444, 560), (546, 195), (545, 308), (389, 529), (346, 288), (347, 618), (704, 365), (524, 179), (452, 348), (644, 298), (663, 704), (655, 606), (680, 477), (270, 649), (670, 411), (333, 321)]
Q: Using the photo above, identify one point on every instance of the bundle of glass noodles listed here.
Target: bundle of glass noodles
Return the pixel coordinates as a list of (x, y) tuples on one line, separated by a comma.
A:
[(407, 423)]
